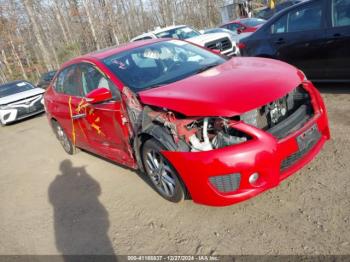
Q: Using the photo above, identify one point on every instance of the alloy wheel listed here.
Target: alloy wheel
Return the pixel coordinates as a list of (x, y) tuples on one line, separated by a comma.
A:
[(161, 174)]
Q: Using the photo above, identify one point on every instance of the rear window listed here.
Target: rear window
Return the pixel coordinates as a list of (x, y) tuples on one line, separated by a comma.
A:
[(14, 88), (253, 22)]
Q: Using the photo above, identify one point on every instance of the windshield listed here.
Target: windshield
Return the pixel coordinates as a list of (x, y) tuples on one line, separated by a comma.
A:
[(160, 63), (179, 33), (253, 21), (14, 88)]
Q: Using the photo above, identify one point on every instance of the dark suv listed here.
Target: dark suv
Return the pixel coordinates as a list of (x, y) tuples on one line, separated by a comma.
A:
[(45, 79), (313, 36)]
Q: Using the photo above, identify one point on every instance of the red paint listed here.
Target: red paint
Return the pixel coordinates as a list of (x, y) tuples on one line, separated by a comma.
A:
[(239, 85)]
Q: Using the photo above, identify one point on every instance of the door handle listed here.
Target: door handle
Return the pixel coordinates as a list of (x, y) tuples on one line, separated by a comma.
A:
[(75, 117), (336, 35), (280, 41)]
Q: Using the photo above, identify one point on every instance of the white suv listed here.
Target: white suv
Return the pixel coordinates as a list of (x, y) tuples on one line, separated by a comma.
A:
[(219, 41)]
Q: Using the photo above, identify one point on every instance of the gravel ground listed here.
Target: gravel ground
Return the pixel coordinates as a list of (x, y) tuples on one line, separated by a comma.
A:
[(51, 203)]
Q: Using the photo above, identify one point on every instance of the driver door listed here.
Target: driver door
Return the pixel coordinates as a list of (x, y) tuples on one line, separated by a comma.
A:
[(102, 123)]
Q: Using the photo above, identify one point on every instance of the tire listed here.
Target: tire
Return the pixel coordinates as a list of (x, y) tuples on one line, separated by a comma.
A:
[(162, 174), (63, 138)]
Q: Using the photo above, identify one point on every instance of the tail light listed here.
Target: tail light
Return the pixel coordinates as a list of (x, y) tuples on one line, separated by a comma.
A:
[(241, 45)]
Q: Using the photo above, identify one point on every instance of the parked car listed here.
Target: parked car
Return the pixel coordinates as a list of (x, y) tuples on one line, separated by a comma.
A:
[(18, 100), (244, 25), (219, 41), (313, 36), (234, 35), (219, 130), (45, 79), (266, 13)]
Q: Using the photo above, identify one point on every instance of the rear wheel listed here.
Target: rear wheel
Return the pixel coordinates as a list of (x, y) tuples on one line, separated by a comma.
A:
[(161, 173), (63, 138)]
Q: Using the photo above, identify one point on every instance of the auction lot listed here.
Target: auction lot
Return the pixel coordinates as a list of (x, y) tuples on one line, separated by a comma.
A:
[(95, 206)]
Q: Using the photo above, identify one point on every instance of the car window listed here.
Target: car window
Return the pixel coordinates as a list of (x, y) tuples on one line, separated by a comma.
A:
[(69, 82), (92, 78), (233, 26), (305, 18), (280, 26), (253, 21), (341, 13)]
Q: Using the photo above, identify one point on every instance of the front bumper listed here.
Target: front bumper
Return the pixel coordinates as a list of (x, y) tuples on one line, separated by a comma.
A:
[(264, 154), (17, 112)]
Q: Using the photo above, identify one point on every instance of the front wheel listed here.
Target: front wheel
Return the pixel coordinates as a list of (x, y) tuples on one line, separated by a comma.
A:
[(163, 176)]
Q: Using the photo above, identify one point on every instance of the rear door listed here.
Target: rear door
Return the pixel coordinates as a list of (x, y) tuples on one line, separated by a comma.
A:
[(298, 37), (68, 95), (338, 39)]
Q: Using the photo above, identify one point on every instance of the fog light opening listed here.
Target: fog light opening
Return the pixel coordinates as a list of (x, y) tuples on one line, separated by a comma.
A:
[(253, 178)]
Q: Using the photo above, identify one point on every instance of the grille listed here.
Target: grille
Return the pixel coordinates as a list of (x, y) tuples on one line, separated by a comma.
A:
[(292, 159), (226, 183), (283, 116), (221, 44), (33, 105)]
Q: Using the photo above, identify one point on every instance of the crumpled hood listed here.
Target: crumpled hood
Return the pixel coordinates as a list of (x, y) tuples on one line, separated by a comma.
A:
[(22, 95), (232, 88)]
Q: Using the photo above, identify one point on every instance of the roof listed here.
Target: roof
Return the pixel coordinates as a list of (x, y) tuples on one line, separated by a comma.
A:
[(106, 52)]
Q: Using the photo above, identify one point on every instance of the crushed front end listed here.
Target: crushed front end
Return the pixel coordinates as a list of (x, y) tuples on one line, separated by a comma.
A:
[(223, 161)]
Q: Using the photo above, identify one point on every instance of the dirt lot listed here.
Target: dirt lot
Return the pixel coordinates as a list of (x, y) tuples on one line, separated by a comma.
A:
[(94, 206)]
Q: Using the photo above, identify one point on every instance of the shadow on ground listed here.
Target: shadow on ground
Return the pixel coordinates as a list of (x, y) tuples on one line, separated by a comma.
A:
[(80, 220)]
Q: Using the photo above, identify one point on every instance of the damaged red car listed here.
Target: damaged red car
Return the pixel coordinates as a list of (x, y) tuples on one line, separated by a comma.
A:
[(200, 126)]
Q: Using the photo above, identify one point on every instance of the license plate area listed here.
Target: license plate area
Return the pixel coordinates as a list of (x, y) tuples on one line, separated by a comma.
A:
[(308, 138), (31, 109)]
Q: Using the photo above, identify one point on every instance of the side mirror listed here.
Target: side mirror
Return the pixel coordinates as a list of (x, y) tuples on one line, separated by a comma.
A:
[(216, 51), (99, 95)]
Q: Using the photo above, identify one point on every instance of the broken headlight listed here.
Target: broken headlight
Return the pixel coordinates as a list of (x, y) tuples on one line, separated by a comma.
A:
[(214, 132)]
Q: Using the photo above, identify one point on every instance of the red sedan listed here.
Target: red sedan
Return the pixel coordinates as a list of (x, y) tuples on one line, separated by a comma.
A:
[(197, 124), (244, 25)]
